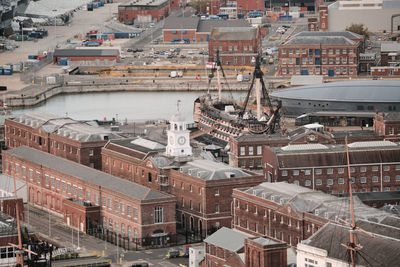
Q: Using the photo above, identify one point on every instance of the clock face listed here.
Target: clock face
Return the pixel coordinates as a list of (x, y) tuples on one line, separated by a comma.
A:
[(171, 140), (181, 140)]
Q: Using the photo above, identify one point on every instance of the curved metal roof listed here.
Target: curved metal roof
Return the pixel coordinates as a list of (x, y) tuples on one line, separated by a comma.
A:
[(349, 91)]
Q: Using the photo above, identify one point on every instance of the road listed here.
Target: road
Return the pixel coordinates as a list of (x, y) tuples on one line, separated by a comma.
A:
[(53, 228)]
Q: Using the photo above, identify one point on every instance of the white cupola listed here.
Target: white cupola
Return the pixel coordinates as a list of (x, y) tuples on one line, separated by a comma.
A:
[(178, 136)]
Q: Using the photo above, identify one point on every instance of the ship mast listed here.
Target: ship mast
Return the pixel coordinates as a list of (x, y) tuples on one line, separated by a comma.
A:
[(352, 246)]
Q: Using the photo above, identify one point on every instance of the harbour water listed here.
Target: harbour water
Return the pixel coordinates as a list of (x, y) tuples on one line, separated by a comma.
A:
[(130, 106)]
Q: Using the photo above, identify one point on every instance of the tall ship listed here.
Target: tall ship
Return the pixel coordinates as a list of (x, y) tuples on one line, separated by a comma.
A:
[(223, 118)]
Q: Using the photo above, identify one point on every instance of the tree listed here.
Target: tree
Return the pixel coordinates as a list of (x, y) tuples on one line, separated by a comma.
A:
[(359, 29), (199, 5)]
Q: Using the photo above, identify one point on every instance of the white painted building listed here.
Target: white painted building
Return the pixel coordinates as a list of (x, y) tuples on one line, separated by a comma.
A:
[(196, 255)]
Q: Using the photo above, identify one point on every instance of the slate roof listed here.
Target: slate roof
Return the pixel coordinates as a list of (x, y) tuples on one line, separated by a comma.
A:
[(380, 229), (66, 127), (323, 40), (228, 239), (207, 25), (376, 91), (130, 148), (233, 33), (335, 155), (177, 23), (87, 174), (347, 34), (321, 204), (86, 52), (378, 251), (211, 170), (260, 137), (391, 116)]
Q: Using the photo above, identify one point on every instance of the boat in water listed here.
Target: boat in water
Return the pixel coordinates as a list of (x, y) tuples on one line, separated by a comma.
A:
[(223, 118)]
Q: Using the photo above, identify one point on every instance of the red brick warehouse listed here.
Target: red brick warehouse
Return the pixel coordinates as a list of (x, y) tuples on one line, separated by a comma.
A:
[(90, 198), (238, 46), (62, 137)]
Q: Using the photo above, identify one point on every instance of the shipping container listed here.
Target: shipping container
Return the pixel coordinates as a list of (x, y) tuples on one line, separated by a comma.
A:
[(90, 7), (63, 61), (7, 71), (32, 56)]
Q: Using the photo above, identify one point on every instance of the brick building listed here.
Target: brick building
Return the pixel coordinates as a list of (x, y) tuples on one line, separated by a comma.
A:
[(292, 213), (202, 186), (144, 11), (245, 6), (390, 53), (236, 46), (374, 166), (229, 247), (388, 125), (87, 54), (323, 18), (89, 198), (385, 71), (246, 151), (320, 53), (194, 29), (213, 6), (63, 137)]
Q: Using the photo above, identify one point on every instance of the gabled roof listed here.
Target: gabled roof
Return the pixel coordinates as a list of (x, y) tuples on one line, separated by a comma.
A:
[(178, 23), (378, 251), (391, 116), (85, 173), (228, 239)]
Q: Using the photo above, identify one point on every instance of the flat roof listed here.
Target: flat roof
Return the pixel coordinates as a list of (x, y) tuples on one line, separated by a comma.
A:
[(87, 174), (144, 3), (233, 33), (86, 52)]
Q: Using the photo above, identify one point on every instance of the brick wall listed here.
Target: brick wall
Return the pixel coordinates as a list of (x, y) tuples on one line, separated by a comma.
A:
[(170, 35), (43, 192)]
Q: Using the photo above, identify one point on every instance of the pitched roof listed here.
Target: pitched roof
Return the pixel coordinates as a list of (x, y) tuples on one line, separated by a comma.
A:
[(378, 251), (228, 239), (303, 199), (87, 174), (86, 52), (233, 33), (390, 47), (208, 25), (314, 155), (66, 127), (391, 116), (323, 40), (184, 23)]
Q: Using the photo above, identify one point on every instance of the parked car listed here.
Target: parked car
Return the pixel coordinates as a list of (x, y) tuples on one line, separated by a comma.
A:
[(141, 264), (174, 254)]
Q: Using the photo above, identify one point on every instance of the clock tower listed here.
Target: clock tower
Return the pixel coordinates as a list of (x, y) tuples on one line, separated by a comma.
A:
[(178, 136)]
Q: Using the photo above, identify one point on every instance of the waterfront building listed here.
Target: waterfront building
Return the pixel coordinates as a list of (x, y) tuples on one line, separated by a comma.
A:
[(291, 213), (320, 53), (61, 136), (91, 200), (238, 46), (202, 186), (90, 54), (374, 166), (348, 96)]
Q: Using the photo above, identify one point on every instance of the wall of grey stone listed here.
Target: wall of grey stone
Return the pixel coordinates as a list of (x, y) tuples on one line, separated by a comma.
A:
[(376, 20)]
